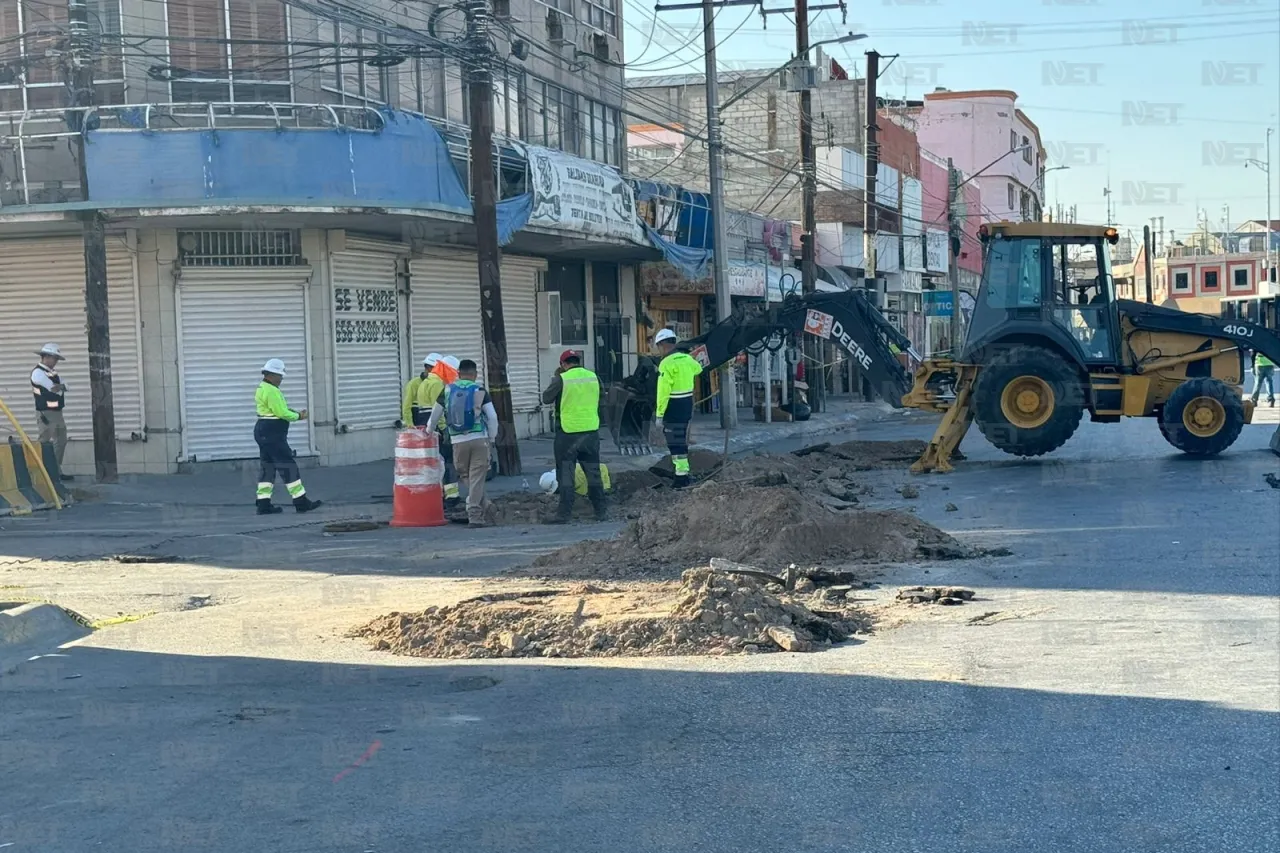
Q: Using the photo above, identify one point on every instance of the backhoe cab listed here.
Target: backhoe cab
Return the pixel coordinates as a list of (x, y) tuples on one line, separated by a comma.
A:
[(1048, 341)]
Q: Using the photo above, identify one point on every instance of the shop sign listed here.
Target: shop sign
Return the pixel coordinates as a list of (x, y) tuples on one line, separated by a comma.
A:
[(580, 196), (937, 303), (744, 280), (365, 315), (935, 251)]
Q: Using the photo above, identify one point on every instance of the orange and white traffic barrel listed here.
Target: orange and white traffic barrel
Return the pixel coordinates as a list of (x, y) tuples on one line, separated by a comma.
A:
[(419, 473)]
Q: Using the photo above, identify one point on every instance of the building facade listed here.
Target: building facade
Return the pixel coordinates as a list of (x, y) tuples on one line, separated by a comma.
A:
[(761, 132), (986, 135), (291, 180)]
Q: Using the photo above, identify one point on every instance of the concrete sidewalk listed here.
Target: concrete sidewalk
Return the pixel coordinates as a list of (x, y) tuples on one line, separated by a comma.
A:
[(359, 485)]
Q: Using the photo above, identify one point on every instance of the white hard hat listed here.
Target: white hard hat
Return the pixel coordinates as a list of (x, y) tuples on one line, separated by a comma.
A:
[(664, 335), (275, 366), (51, 349), (431, 359), (452, 361), (547, 482)]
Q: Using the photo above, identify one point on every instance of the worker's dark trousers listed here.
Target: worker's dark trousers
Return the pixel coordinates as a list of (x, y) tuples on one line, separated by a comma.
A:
[(275, 457), (572, 449), (675, 429)]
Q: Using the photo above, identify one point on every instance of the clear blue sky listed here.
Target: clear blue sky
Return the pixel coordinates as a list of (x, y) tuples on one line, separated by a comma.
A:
[(1166, 100)]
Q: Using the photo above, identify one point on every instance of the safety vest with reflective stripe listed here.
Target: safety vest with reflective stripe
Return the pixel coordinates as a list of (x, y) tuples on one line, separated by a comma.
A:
[(271, 405), (46, 400), (675, 378), (579, 401), (1259, 359)]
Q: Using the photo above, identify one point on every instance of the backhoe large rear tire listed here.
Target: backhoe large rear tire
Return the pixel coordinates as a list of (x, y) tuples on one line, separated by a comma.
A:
[(1202, 417), (1028, 400)]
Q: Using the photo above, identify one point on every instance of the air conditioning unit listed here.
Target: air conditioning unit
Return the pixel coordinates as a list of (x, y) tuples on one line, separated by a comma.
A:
[(600, 46), (502, 9)]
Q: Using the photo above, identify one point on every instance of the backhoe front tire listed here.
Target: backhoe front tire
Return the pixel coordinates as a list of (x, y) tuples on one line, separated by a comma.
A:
[(1202, 417), (1028, 400)]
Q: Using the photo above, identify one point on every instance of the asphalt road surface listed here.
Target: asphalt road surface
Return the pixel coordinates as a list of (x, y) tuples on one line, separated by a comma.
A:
[(1123, 696)]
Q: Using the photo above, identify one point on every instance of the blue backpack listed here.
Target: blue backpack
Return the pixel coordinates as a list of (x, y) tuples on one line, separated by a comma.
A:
[(462, 409)]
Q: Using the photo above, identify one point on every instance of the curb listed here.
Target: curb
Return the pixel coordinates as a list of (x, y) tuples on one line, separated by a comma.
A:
[(32, 629)]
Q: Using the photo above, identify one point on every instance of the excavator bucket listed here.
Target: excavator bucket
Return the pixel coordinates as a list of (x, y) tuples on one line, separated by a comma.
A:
[(630, 419), (957, 413)]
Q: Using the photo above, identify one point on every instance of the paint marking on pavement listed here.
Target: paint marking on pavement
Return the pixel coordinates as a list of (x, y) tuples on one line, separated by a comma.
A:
[(368, 753)]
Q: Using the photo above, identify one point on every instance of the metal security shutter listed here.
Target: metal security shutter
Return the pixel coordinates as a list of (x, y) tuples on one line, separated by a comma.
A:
[(42, 301), (230, 321), (445, 307), (366, 330), (519, 311)]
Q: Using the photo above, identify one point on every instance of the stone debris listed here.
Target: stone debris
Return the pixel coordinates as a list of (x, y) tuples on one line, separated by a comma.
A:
[(766, 527), (950, 595), (952, 508), (909, 492), (705, 613)]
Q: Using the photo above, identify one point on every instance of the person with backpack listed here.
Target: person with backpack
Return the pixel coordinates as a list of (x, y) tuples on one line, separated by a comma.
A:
[(471, 423)]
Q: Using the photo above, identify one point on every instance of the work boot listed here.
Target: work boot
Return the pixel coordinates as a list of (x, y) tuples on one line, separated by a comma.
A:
[(599, 504), (682, 481), (266, 507), (477, 519), (305, 504)]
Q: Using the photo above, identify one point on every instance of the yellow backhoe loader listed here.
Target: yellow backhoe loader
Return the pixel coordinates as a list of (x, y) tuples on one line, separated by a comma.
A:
[(1047, 341)]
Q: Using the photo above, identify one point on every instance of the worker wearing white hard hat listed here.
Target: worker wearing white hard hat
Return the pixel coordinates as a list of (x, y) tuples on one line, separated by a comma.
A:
[(443, 373), (677, 374), (271, 432), (409, 401), (50, 396)]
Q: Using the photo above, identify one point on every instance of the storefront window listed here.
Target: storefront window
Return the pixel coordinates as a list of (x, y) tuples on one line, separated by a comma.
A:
[(570, 281)]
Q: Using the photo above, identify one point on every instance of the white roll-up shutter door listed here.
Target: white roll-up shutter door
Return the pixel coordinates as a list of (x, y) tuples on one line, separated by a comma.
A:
[(520, 316), (445, 307), (366, 330), (42, 301), (230, 321)]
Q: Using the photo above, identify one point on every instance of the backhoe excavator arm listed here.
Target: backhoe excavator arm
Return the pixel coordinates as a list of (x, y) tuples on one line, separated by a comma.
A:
[(845, 318)]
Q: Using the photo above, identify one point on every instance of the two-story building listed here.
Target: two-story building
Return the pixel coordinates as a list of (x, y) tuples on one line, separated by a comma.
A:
[(292, 180)]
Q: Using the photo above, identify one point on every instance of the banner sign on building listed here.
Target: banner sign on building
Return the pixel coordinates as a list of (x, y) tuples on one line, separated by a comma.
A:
[(936, 254), (745, 279), (581, 196)]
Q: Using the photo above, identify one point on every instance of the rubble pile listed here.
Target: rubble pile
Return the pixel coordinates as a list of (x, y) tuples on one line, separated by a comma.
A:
[(771, 526), (707, 612)]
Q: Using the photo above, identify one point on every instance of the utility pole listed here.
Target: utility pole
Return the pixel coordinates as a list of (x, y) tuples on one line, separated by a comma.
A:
[(1147, 243), (485, 215), (81, 99), (720, 248), (815, 372), (1106, 192), (954, 233)]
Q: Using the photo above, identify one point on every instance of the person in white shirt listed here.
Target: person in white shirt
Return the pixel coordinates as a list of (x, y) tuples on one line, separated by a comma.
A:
[(472, 424), (50, 396)]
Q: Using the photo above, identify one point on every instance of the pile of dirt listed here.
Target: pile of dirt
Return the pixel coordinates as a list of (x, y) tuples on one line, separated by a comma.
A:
[(632, 490), (706, 613), (771, 527)]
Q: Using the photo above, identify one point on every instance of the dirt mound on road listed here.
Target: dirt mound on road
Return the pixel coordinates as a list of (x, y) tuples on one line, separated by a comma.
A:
[(767, 527), (706, 613)]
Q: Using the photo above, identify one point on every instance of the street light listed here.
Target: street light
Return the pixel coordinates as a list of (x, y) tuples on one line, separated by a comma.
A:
[(1266, 170), (1040, 179), (844, 39)]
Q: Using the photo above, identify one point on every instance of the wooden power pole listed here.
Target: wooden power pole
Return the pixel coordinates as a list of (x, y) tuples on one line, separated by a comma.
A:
[(484, 194), (815, 371), (81, 98)]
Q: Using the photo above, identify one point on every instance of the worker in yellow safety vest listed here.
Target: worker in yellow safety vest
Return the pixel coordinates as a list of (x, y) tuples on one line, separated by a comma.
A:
[(271, 432), (443, 373), (409, 404), (676, 374), (575, 391)]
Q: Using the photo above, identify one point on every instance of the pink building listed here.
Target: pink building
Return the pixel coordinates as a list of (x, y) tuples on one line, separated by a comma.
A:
[(933, 178), (983, 131)]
